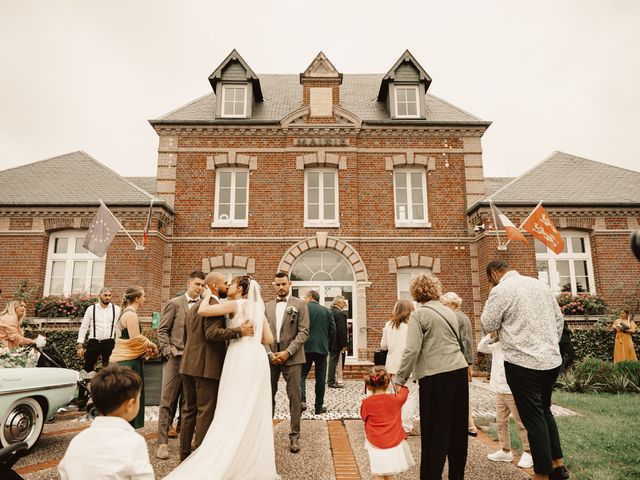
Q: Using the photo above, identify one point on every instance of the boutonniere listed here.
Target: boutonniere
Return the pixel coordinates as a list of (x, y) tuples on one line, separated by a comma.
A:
[(293, 311)]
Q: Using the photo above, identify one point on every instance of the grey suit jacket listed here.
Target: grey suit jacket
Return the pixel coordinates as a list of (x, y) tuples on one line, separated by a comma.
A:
[(171, 328), (294, 330)]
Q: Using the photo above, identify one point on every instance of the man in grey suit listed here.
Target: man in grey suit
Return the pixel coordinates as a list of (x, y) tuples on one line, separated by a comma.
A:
[(322, 329), (171, 344), (288, 319), (201, 367)]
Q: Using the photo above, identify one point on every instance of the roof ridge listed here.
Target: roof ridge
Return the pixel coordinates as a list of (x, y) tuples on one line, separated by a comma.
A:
[(596, 161), (131, 184), (44, 160), (519, 177)]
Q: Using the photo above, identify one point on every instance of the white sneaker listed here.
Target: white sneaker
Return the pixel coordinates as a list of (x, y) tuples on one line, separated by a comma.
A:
[(501, 456), (526, 461)]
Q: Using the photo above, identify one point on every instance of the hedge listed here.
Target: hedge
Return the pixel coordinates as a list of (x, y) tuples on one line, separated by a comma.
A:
[(598, 342), (65, 341)]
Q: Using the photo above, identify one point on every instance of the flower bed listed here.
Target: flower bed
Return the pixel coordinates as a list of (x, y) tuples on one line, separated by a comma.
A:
[(581, 304), (55, 306)]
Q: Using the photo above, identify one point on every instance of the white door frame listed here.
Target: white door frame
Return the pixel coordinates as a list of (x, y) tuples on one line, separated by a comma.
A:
[(351, 313)]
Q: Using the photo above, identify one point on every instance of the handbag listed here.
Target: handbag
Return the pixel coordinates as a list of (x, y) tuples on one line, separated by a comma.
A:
[(380, 357)]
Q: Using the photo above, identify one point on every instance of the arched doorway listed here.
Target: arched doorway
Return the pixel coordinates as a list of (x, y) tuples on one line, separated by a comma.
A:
[(330, 274)]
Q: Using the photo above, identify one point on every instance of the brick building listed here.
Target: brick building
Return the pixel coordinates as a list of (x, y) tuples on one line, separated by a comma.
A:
[(351, 183)]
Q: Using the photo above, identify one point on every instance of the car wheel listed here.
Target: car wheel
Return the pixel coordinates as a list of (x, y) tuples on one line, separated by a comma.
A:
[(23, 422)]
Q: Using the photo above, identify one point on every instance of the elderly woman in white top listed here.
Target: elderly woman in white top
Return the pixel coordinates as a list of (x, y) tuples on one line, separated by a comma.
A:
[(394, 338), (454, 302)]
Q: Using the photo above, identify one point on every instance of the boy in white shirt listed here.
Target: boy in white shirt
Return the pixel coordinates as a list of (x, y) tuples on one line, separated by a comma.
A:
[(505, 405), (110, 449)]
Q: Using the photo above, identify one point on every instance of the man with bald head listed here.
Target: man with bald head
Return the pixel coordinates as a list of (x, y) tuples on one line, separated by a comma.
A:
[(204, 351)]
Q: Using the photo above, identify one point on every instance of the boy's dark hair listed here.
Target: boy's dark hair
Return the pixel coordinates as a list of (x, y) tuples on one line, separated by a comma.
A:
[(282, 274), (196, 274), (112, 386), (377, 378)]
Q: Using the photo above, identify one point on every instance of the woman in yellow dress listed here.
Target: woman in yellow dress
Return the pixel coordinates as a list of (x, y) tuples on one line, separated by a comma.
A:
[(624, 328)]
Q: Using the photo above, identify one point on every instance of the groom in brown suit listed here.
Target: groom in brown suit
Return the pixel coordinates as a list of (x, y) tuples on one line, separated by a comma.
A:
[(288, 319), (201, 366)]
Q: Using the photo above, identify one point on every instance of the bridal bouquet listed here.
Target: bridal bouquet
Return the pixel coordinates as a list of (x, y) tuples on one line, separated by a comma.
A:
[(21, 357)]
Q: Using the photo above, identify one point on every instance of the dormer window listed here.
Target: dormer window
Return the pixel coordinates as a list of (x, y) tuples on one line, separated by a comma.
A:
[(234, 101), (407, 101)]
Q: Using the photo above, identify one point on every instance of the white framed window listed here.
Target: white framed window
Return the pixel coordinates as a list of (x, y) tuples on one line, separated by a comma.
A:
[(410, 195), (405, 275), (234, 101), (229, 273), (407, 101), (71, 268), (321, 197), (231, 207), (570, 271)]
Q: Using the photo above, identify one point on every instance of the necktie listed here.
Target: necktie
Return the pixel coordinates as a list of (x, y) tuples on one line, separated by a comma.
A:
[(281, 299), (193, 301)]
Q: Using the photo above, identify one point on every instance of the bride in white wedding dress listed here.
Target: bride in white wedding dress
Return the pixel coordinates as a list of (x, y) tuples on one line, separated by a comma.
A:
[(239, 443)]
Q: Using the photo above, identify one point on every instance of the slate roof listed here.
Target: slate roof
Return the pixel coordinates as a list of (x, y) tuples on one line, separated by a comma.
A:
[(74, 179), (148, 184), (564, 179), (283, 94), (493, 184)]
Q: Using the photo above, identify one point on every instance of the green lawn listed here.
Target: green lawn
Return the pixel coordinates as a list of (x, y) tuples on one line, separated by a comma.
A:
[(604, 443)]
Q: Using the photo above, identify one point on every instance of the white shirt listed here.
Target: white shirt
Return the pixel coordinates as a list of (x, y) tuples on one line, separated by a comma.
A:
[(498, 379), (280, 309), (394, 340), (529, 321), (110, 449), (104, 318), (190, 301)]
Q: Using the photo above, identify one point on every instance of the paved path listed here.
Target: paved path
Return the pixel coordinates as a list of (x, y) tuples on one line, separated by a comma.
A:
[(331, 444)]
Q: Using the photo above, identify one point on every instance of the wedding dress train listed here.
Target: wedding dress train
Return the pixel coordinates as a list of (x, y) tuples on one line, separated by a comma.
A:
[(239, 443)]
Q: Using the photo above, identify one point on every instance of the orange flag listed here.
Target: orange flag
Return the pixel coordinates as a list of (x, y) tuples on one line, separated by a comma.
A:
[(539, 225)]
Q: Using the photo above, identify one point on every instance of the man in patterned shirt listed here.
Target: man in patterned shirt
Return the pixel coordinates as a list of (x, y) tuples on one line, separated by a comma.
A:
[(527, 316)]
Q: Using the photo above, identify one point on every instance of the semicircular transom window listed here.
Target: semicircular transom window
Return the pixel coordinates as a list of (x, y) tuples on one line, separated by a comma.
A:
[(322, 265)]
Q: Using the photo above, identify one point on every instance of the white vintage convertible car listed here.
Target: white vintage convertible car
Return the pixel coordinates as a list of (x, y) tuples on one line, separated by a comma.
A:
[(29, 397)]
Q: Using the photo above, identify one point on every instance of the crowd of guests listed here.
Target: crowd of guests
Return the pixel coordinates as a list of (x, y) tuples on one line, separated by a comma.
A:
[(427, 369)]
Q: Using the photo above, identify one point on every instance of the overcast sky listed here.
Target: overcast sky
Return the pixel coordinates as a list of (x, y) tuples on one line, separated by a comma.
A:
[(550, 75)]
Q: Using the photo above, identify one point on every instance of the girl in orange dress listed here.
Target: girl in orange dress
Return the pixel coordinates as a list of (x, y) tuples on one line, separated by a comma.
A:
[(624, 328)]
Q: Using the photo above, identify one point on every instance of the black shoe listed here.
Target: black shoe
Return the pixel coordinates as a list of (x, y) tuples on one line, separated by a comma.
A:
[(336, 385), (321, 410), (295, 446), (559, 473), (472, 433), (303, 407)]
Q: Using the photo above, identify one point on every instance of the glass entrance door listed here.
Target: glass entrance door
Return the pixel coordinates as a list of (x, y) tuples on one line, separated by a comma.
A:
[(330, 274)]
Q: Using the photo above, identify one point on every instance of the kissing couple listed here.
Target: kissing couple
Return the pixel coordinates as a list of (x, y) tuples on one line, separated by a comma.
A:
[(232, 353)]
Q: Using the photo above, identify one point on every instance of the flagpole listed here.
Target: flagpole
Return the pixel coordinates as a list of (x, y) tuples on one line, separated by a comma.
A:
[(501, 247), (525, 220), (125, 230)]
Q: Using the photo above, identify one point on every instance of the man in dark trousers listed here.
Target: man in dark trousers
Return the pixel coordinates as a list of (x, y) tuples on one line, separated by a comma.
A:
[(339, 343), (99, 321), (316, 349), (171, 344), (204, 351)]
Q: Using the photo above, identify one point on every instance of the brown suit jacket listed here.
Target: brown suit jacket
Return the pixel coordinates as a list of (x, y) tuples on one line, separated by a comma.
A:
[(171, 328), (206, 344), (293, 332)]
